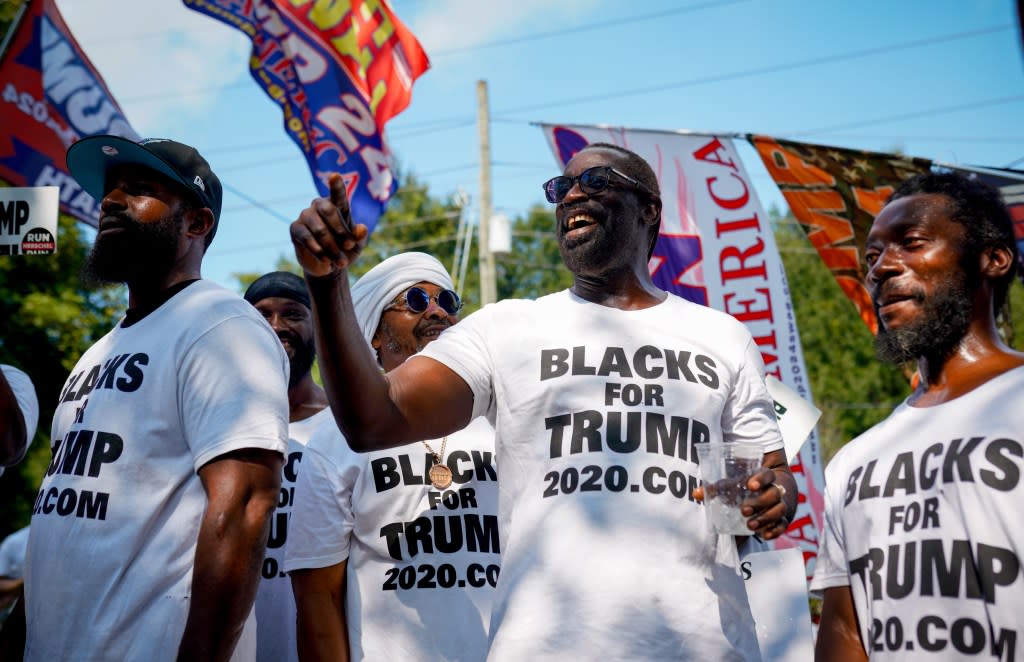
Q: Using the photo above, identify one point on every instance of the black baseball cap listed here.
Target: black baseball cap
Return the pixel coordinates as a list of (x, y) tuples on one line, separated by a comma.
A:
[(92, 157)]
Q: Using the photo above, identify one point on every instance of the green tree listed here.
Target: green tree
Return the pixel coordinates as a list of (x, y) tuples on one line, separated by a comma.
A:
[(851, 387), (49, 320), (534, 266)]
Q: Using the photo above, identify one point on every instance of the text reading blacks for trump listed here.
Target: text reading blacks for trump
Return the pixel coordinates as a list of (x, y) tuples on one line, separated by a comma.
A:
[(929, 557)]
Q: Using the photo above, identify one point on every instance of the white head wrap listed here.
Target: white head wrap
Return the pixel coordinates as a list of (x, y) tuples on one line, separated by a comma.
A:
[(379, 286)]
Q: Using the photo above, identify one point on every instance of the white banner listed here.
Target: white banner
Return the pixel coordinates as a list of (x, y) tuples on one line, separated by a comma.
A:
[(28, 220), (778, 603), (717, 248)]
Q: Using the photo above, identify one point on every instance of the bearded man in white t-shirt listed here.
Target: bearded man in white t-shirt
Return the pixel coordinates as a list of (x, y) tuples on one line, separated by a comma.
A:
[(282, 299), (599, 394), (149, 528), (921, 556), (394, 554)]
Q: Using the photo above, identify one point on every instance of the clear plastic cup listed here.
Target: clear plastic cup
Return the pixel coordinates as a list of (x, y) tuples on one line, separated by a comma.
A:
[(725, 469)]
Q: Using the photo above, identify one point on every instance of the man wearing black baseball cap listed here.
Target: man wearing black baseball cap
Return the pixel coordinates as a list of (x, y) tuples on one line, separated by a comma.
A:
[(151, 523)]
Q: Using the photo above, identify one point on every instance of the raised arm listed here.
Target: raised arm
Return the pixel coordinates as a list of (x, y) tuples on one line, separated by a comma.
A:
[(421, 399), (242, 489)]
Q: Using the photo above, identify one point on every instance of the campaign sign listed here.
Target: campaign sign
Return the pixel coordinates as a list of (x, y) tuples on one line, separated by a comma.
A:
[(796, 416), (28, 220)]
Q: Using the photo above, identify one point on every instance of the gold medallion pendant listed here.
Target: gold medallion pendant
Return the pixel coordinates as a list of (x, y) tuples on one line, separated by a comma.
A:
[(440, 476)]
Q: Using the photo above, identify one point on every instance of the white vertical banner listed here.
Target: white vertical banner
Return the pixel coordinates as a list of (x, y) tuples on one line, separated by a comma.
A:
[(716, 248)]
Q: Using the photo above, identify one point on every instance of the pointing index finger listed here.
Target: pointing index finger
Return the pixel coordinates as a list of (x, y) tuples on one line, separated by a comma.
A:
[(339, 198)]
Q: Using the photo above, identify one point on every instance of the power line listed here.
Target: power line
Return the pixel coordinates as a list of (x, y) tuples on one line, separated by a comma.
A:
[(158, 96), (948, 139), (906, 116), (258, 204), (758, 71), (600, 25), (441, 125)]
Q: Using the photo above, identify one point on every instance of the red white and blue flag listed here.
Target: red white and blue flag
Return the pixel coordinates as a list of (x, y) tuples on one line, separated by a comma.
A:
[(339, 70), (51, 96)]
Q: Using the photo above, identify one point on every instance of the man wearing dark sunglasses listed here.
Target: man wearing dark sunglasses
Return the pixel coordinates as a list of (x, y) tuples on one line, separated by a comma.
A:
[(394, 555), (599, 394)]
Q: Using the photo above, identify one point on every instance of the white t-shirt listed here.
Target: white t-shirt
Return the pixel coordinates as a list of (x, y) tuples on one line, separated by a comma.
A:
[(422, 563), (922, 522), (115, 523), (605, 555), (25, 395), (12, 554), (275, 603)]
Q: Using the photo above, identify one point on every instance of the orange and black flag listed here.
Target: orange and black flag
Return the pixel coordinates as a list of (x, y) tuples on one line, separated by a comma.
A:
[(835, 194)]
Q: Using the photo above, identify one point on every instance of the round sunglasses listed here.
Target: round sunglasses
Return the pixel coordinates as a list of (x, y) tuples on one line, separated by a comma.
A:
[(592, 180), (417, 300)]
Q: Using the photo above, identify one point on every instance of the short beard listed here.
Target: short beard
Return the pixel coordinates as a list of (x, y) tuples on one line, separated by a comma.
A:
[(944, 320), (301, 363), (596, 251), (140, 252)]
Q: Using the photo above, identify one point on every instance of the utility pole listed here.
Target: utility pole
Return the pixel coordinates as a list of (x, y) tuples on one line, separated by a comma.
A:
[(488, 278)]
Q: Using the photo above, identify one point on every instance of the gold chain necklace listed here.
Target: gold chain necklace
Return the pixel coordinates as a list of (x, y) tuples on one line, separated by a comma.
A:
[(440, 474)]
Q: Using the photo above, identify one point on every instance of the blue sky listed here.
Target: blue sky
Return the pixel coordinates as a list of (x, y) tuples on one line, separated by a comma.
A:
[(942, 80)]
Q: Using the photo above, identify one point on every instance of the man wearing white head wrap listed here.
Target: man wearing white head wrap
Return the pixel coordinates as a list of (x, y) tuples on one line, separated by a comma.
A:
[(394, 555), (381, 285)]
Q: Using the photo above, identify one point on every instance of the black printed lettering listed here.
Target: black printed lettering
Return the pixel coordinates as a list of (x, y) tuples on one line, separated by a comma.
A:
[(89, 384), (385, 474), (278, 530), (76, 451), (553, 363), (579, 366), (133, 373), (615, 362), (445, 533), (928, 474), (290, 471), (84, 504), (958, 457), (677, 366), (707, 366), (108, 448), (110, 367), (68, 394), (996, 452), (615, 439), (901, 475), (641, 364)]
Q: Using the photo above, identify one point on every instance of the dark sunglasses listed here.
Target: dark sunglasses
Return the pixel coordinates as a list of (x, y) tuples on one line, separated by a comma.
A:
[(591, 181), (417, 300)]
